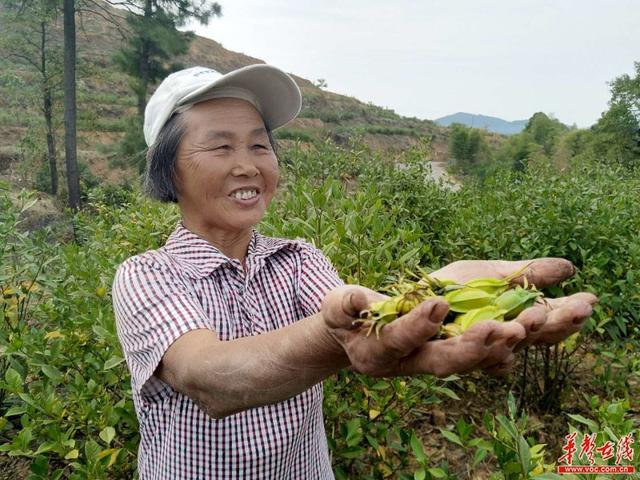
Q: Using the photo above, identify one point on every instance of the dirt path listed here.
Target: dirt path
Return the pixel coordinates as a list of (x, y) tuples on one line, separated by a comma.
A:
[(438, 172)]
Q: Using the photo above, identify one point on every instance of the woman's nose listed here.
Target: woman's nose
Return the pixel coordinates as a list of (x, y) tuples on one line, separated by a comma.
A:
[(244, 166)]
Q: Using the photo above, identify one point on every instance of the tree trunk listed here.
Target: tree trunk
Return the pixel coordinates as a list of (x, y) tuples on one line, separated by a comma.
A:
[(48, 112), (144, 62), (51, 142), (73, 181)]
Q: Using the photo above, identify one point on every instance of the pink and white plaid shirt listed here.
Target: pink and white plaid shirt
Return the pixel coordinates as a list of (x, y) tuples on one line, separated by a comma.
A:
[(189, 284)]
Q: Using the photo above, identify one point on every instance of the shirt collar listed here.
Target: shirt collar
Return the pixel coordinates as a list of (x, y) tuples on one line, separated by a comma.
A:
[(199, 258)]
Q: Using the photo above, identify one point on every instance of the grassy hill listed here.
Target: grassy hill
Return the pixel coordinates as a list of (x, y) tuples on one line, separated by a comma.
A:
[(105, 102)]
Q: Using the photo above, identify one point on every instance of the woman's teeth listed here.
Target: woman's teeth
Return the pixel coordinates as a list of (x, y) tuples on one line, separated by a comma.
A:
[(244, 194)]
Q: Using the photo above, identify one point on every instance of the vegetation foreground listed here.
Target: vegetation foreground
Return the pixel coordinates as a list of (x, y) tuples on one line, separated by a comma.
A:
[(65, 397)]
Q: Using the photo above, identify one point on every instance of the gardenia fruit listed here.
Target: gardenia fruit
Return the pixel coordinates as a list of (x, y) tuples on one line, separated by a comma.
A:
[(469, 303)]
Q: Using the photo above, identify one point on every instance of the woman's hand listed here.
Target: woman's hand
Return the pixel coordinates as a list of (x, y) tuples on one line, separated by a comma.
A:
[(548, 322), (403, 347)]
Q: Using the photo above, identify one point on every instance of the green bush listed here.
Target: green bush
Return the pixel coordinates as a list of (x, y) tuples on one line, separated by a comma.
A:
[(294, 134), (65, 399)]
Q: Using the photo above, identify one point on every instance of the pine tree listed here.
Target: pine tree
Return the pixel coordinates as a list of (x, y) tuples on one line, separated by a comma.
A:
[(154, 41), (28, 37)]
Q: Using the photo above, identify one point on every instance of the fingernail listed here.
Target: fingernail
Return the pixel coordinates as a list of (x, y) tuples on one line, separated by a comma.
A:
[(438, 312)]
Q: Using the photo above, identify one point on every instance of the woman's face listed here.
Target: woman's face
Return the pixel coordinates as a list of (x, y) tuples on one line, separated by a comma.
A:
[(226, 169)]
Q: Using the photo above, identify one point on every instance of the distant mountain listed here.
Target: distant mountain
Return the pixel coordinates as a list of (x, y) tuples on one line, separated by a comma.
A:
[(491, 124)]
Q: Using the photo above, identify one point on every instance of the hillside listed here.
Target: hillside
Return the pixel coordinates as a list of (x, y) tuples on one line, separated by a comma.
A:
[(491, 124), (105, 102)]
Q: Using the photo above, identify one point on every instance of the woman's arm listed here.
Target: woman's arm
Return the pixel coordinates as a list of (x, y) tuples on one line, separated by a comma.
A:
[(227, 377)]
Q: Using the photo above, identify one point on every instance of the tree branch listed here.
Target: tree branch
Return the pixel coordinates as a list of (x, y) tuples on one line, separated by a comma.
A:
[(129, 6), (105, 16), (27, 59)]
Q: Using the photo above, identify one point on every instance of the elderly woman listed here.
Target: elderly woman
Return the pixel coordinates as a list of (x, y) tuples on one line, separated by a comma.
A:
[(228, 334)]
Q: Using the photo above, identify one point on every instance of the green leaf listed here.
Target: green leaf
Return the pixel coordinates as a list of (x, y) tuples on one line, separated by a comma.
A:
[(537, 449), (437, 472), (524, 455), (354, 433), (420, 474), (45, 447), (72, 454), (352, 452), (418, 449), (381, 385), (511, 467), (452, 437), (340, 474), (91, 450), (612, 436), (14, 380), (101, 332), (508, 426), (112, 452), (448, 392), (15, 410), (107, 434), (23, 439), (511, 403), (28, 399), (52, 372), (480, 455), (373, 442), (593, 426), (40, 465), (112, 362)]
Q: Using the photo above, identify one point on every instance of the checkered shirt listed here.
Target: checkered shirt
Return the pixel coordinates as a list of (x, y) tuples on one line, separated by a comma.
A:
[(189, 284)]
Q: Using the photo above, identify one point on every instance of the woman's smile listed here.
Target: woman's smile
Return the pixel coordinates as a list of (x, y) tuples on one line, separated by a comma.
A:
[(245, 196)]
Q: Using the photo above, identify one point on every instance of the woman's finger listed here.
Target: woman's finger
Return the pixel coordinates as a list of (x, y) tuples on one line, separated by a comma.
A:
[(487, 343), (343, 305), (540, 272), (564, 321), (404, 335), (554, 303)]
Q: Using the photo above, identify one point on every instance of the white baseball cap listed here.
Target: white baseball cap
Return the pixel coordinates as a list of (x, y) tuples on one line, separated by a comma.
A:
[(273, 92)]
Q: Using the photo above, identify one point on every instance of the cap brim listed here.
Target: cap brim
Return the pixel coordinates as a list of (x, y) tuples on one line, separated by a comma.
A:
[(277, 94)]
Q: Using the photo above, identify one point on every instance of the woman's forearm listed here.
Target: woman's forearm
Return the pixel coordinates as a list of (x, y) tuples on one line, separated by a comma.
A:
[(259, 370)]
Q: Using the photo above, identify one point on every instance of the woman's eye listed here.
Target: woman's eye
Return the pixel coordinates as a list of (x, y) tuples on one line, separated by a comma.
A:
[(257, 145), (222, 147)]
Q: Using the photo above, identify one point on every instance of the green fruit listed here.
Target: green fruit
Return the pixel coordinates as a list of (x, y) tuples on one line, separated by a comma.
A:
[(515, 301), (490, 312), (492, 286), (467, 298)]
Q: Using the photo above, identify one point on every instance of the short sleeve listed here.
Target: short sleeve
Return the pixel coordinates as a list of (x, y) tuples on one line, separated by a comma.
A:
[(317, 278), (153, 307)]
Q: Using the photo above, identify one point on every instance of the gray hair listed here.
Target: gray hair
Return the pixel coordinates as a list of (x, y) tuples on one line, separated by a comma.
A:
[(160, 173)]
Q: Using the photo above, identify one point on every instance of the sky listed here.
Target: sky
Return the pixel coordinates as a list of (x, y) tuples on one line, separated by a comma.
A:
[(432, 58)]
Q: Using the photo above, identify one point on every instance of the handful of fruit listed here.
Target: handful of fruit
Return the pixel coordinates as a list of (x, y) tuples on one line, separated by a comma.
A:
[(469, 303)]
